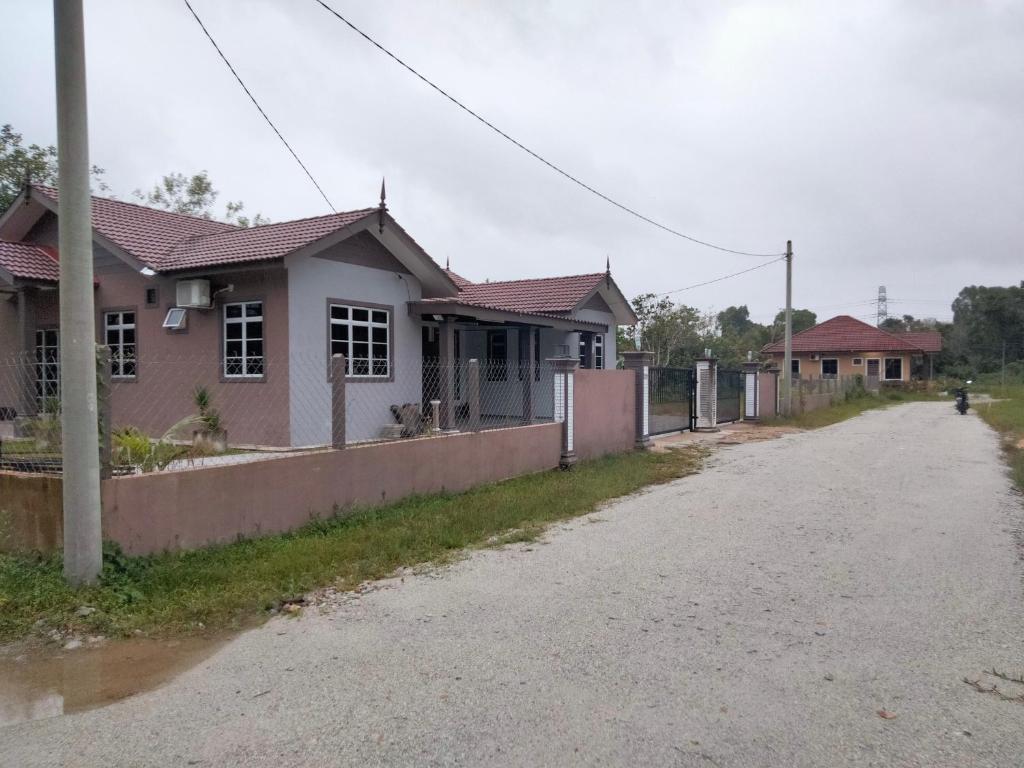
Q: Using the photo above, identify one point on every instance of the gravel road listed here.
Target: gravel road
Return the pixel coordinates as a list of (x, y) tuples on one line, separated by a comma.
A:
[(761, 613)]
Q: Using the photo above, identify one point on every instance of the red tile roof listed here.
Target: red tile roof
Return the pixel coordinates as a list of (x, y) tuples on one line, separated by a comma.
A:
[(166, 241), (147, 234), (29, 262), (271, 241), (459, 280), (845, 334), (926, 341), (546, 295)]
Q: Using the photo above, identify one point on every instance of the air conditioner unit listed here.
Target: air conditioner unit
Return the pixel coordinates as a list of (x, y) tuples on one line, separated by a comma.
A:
[(813, 357), (193, 293)]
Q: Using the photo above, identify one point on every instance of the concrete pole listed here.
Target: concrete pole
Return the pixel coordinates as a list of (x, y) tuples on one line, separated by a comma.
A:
[(787, 365), (79, 411)]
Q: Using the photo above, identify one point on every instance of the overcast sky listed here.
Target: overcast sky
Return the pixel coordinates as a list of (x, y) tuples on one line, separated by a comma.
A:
[(886, 139)]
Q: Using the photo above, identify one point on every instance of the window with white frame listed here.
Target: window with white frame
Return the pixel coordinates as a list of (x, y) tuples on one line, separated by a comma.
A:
[(119, 332), (48, 369), (894, 369), (243, 340), (794, 366), (829, 367), (599, 351), (584, 349), (363, 336), (858, 361)]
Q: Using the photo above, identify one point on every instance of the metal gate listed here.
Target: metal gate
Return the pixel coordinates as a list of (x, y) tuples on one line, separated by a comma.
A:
[(673, 394), (730, 388)]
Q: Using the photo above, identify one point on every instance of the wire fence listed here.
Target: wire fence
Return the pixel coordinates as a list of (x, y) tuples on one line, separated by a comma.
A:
[(160, 413), (436, 396)]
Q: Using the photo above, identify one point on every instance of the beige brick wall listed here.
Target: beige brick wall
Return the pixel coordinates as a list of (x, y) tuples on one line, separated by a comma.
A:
[(811, 369)]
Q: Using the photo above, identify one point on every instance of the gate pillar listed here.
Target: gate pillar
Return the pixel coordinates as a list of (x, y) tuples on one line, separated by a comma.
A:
[(565, 406), (751, 402), (640, 363), (707, 393)]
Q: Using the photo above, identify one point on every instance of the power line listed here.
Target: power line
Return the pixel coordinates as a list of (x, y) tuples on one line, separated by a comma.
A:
[(529, 151), (257, 104), (723, 277)]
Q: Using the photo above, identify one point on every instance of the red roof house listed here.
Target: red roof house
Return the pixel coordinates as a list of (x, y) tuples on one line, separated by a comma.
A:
[(845, 346), (185, 301)]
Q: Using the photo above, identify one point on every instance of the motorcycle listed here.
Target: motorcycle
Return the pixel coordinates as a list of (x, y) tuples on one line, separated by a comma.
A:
[(960, 400)]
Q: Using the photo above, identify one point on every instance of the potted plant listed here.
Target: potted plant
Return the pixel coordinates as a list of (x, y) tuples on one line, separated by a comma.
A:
[(211, 434)]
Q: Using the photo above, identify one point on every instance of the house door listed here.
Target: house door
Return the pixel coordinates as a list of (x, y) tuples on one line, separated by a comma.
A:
[(873, 366), (48, 370)]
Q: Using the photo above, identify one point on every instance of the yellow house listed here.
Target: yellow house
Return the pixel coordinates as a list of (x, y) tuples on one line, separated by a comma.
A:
[(845, 346)]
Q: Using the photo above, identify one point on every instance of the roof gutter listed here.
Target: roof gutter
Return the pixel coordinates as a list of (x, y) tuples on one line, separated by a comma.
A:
[(503, 316)]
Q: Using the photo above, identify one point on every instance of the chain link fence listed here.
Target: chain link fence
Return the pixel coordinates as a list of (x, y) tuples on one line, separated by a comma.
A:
[(163, 412)]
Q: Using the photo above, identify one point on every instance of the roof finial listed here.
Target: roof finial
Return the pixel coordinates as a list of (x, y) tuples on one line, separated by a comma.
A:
[(447, 262), (383, 206), (608, 271)]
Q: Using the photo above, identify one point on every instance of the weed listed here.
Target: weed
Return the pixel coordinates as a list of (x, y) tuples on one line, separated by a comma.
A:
[(236, 583)]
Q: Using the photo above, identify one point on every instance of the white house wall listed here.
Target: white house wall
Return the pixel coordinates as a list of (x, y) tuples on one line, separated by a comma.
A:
[(311, 282)]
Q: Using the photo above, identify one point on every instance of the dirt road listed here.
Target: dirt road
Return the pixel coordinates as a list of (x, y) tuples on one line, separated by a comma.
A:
[(761, 613)]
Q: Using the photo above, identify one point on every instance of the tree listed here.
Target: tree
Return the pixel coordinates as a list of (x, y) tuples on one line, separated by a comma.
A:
[(735, 320), (33, 163), (194, 196), (986, 321), (802, 320), (676, 334)]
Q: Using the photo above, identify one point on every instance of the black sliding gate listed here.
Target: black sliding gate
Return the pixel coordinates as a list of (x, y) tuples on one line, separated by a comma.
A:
[(730, 388), (673, 394)]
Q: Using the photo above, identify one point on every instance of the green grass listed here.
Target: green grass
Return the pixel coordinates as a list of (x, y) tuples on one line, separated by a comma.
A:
[(25, 446), (1006, 415), (239, 583), (847, 409)]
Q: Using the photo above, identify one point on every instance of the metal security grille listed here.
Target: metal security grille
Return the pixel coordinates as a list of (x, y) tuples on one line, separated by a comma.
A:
[(730, 388), (672, 392)]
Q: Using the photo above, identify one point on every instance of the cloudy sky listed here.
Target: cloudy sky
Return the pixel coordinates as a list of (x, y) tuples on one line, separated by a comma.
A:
[(886, 139)]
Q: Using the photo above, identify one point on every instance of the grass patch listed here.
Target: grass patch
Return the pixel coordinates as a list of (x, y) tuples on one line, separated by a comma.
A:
[(1006, 416), (238, 583), (850, 407)]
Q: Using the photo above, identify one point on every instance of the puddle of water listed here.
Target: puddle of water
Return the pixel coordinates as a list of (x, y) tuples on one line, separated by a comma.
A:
[(46, 685)]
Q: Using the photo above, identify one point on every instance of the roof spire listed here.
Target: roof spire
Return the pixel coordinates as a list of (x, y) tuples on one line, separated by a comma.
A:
[(383, 206), (448, 262), (608, 271)]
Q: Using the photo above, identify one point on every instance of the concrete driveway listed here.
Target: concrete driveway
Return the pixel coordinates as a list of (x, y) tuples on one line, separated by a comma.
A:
[(762, 613)]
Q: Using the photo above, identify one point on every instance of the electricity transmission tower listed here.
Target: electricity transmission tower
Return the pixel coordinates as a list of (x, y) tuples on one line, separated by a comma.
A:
[(883, 308)]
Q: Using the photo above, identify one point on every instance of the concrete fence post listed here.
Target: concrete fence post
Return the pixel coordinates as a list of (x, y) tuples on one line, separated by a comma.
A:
[(707, 393), (103, 395), (751, 398), (473, 394), (640, 363), (564, 374), (527, 370), (338, 401)]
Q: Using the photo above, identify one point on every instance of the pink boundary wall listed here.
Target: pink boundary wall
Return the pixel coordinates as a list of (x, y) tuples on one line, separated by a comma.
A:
[(192, 508), (605, 412)]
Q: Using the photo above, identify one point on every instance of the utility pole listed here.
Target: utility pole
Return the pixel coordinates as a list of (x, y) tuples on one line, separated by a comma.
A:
[(82, 534), (787, 365)]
